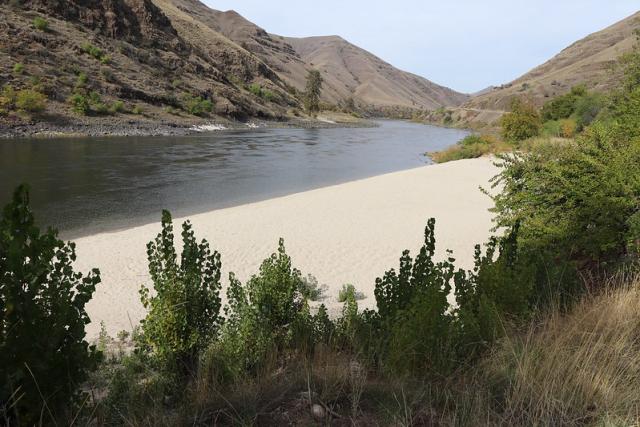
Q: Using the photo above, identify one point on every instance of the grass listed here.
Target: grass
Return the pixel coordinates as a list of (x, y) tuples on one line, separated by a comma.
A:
[(582, 368), (573, 369), (472, 147)]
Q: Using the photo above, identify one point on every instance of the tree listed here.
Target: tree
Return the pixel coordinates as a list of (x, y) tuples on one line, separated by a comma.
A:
[(523, 122), (312, 92), (184, 314), (43, 352)]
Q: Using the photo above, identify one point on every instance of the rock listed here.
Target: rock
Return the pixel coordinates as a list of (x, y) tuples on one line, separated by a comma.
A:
[(318, 412)]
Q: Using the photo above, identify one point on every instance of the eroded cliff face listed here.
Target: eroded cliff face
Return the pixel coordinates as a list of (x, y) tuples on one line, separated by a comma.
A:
[(136, 21)]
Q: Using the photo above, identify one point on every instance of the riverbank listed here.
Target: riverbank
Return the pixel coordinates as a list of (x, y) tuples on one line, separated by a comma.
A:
[(132, 125), (348, 233)]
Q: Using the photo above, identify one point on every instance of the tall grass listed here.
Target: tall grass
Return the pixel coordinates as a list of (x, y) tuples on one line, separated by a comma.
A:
[(582, 368)]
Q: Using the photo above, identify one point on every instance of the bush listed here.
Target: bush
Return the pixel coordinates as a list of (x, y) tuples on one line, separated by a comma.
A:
[(261, 316), (580, 198), (137, 110), (79, 104), (184, 311), (40, 23), (563, 106), (81, 81), (255, 89), (568, 128), (18, 68), (196, 105), (7, 97), (43, 351), (96, 52), (521, 123), (31, 101), (118, 107), (310, 289), (349, 291), (471, 147)]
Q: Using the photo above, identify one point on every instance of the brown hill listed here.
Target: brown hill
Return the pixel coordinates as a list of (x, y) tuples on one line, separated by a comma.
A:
[(157, 55), (348, 71), (589, 61)]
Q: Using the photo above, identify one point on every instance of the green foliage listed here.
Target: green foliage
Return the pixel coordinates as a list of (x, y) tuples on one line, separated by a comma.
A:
[(118, 107), (471, 147), (93, 51), (196, 105), (41, 24), (624, 108), (79, 104), (81, 81), (137, 110), (563, 107), (255, 89), (18, 68), (261, 92), (310, 289), (260, 315), (44, 356), (522, 122), (312, 92), (184, 310), (579, 105), (8, 97), (349, 291), (578, 198), (31, 101)]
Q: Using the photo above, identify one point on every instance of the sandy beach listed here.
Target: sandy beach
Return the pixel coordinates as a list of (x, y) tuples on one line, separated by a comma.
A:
[(348, 233)]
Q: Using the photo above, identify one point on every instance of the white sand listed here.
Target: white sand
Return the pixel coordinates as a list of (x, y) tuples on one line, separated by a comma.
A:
[(348, 233)]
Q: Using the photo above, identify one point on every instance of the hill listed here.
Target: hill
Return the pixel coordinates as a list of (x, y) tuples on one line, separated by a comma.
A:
[(348, 71), (590, 62), (158, 65)]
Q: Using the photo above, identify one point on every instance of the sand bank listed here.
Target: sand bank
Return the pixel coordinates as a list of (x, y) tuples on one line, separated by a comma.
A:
[(348, 233)]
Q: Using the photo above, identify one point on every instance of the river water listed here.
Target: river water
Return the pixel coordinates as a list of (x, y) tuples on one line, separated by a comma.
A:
[(86, 185)]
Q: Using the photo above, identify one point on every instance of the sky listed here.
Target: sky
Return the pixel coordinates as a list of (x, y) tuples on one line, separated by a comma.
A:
[(466, 45)]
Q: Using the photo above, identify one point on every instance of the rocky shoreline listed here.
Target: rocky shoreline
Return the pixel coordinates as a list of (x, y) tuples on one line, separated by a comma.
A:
[(46, 129)]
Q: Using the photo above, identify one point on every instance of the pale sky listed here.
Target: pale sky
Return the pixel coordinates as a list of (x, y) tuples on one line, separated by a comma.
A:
[(464, 44)]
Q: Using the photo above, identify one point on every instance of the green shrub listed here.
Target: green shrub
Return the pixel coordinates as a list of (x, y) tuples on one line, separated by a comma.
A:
[(184, 310), (118, 107), (196, 105), (310, 289), (31, 101), (18, 68), (79, 104), (563, 106), (260, 316), (81, 81), (137, 110), (7, 97), (96, 52), (255, 89), (349, 291), (43, 351), (552, 128), (580, 198), (41, 24), (522, 122)]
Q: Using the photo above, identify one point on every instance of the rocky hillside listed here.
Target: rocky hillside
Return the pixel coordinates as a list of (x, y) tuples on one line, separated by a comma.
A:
[(174, 62), (348, 71), (589, 61)]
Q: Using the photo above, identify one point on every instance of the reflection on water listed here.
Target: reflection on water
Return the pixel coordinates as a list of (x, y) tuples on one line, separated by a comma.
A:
[(85, 185)]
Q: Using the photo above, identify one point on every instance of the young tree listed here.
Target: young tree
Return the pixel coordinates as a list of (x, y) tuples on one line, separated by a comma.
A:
[(43, 352), (313, 91), (184, 312), (522, 122)]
